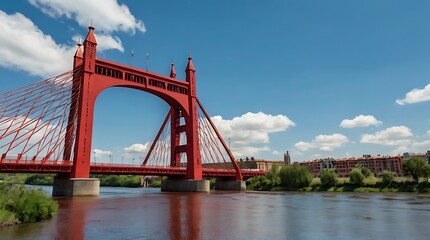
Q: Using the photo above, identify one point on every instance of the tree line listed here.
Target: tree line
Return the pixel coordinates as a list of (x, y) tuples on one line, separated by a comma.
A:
[(298, 178)]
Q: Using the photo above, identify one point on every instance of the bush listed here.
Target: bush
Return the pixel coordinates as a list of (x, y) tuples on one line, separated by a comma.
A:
[(7, 218), (24, 205), (356, 177), (294, 177), (387, 178), (259, 183), (120, 181), (40, 179), (328, 178)]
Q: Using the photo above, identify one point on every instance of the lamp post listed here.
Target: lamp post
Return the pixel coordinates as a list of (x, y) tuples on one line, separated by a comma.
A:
[(95, 160)]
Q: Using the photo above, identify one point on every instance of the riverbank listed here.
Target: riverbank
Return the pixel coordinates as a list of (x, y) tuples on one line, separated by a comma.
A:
[(369, 184), (22, 205), (105, 180)]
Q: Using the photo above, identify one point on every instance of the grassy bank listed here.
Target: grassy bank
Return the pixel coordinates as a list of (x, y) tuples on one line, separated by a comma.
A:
[(298, 178), (22, 205), (372, 184)]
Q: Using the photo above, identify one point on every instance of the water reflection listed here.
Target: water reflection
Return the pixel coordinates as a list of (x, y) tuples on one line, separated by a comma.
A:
[(123, 213), (72, 218), (185, 216)]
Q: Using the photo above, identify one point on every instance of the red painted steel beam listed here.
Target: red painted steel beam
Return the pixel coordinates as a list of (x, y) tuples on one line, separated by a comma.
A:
[(12, 166)]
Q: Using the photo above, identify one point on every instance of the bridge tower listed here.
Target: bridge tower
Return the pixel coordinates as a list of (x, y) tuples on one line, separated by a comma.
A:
[(93, 76), (79, 183)]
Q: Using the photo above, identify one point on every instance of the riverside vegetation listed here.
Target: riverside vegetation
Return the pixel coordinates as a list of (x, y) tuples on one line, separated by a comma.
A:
[(105, 180), (361, 179), (23, 205)]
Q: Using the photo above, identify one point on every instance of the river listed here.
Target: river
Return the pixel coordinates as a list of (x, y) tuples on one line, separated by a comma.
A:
[(144, 213)]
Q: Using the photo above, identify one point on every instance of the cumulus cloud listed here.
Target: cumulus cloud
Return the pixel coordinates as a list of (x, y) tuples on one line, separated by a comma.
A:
[(104, 42), (278, 153), (23, 46), (415, 96), (360, 121), (391, 136), (323, 142), (107, 15), (399, 137), (99, 152), (251, 129), (246, 151), (412, 146), (137, 148)]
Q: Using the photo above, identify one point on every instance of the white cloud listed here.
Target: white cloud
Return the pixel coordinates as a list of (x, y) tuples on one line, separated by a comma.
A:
[(360, 121), (392, 136), (323, 142), (104, 42), (415, 96), (248, 151), (99, 152), (399, 137), (251, 129), (412, 146), (304, 146), (107, 15), (278, 153), (24, 46), (428, 133), (137, 148)]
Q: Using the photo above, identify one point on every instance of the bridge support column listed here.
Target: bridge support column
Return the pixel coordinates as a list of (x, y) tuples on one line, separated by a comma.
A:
[(76, 187), (237, 185), (188, 185)]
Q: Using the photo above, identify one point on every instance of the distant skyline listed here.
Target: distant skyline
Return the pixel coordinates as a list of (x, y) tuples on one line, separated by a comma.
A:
[(315, 78)]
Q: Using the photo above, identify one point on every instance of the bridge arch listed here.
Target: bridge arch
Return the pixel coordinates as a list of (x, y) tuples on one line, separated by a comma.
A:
[(97, 75)]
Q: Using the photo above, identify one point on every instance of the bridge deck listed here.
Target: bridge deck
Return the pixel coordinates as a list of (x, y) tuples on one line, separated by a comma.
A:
[(28, 166)]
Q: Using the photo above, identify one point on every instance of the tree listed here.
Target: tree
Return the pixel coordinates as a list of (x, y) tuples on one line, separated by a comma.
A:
[(356, 177), (294, 177), (328, 178), (366, 172), (273, 175), (417, 167), (387, 178)]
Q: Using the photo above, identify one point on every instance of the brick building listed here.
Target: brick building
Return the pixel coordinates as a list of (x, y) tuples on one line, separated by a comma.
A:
[(343, 166)]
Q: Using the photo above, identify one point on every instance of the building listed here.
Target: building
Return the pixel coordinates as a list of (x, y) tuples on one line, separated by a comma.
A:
[(426, 155), (318, 165), (260, 164), (376, 164), (263, 164)]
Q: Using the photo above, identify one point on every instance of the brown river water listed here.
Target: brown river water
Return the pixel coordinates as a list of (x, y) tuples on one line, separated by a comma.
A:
[(138, 213)]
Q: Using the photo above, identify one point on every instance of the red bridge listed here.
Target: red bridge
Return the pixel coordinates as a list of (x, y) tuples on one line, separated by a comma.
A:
[(46, 127)]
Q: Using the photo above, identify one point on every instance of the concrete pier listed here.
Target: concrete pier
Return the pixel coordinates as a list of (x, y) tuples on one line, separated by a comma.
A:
[(236, 185), (76, 187), (175, 185)]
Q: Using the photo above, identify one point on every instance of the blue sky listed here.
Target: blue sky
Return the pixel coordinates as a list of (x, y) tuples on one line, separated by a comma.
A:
[(316, 78)]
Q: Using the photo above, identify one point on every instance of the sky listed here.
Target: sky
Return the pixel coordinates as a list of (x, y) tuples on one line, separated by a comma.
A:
[(315, 78)]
